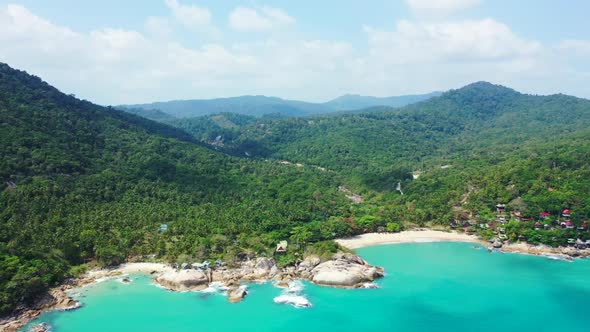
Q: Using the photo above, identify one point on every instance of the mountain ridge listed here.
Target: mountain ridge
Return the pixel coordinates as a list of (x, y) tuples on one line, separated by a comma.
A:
[(258, 105)]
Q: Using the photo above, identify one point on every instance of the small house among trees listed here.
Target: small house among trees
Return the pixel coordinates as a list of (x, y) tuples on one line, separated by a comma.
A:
[(282, 246)]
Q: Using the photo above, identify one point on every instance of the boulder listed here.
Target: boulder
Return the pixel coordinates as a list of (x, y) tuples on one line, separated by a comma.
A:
[(283, 283), (570, 251), (274, 270), (345, 270), (263, 263), (183, 280), (237, 294), (310, 262), (497, 244), (264, 267)]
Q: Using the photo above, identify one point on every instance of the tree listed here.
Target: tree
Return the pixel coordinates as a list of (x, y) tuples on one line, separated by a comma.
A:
[(301, 235), (393, 227)]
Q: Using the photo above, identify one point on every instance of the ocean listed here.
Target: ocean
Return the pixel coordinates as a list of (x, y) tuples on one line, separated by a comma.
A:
[(428, 287)]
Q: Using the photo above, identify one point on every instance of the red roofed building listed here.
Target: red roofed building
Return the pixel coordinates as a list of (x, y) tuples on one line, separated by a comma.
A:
[(544, 214), (566, 213), (567, 224)]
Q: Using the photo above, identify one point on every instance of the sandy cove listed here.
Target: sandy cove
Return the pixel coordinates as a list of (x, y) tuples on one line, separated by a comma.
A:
[(415, 236), (421, 236)]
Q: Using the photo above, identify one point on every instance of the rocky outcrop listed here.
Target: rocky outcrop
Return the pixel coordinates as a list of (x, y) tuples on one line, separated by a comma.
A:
[(497, 244), (345, 270), (265, 267), (183, 280), (304, 268), (237, 294), (56, 299)]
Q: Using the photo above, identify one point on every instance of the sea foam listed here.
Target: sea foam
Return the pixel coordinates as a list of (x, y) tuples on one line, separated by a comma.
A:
[(292, 295)]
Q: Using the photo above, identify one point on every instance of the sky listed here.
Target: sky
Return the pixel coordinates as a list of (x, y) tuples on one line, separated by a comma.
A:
[(136, 51)]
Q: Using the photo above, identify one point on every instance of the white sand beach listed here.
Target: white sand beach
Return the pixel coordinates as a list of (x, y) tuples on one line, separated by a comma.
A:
[(371, 239), (126, 268)]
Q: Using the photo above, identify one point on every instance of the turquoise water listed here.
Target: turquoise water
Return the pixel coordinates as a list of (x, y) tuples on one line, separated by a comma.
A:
[(429, 287)]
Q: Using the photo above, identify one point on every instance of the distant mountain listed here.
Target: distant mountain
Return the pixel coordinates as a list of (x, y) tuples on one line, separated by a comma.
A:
[(152, 114), (357, 102), (262, 105), (247, 105)]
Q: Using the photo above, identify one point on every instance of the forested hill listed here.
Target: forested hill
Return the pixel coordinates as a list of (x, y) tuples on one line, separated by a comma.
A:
[(462, 121), (83, 183), (46, 132), (469, 148)]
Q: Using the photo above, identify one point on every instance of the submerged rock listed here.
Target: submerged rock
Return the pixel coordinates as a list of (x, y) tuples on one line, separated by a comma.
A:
[(183, 280), (43, 327), (370, 285), (293, 295), (237, 294), (294, 300)]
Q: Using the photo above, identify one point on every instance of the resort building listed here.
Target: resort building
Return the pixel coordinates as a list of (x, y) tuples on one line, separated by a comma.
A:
[(544, 215), (282, 246)]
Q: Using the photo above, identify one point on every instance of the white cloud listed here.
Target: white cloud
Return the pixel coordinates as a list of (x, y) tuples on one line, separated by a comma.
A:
[(114, 66), (108, 65), (465, 41), (266, 18), (576, 46), (190, 16), (158, 27), (440, 7)]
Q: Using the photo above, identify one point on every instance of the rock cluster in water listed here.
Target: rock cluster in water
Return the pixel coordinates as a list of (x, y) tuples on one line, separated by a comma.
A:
[(184, 280), (343, 270)]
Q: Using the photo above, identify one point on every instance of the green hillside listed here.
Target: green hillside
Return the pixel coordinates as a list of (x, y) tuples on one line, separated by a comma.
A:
[(494, 144), (81, 182), (84, 184)]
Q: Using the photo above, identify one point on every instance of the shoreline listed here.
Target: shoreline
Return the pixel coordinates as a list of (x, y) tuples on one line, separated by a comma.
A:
[(426, 236), (414, 236), (59, 298), (343, 270), (264, 269)]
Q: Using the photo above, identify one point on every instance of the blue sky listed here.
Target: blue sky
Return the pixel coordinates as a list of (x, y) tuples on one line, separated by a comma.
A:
[(113, 52)]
